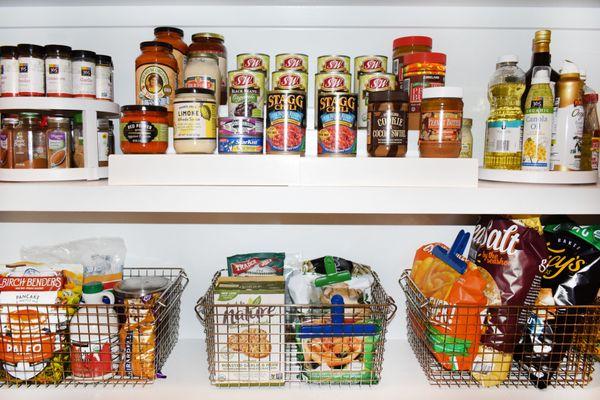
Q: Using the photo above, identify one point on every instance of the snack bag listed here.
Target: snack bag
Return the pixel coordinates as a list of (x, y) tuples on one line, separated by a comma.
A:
[(36, 303), (257, 264), (514, 253)]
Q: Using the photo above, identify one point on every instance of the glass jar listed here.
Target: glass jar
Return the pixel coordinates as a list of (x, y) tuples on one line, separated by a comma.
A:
[(408, 45), (31, 70), (195, 121), (83, 64), (7, 136), (156, 76), (441, 122), (144, 129), (466, 141), (104, 141), (387, 124), (174, 36), (29, 145), (58, 134), (77, 141), (207, 42), (59, 78), (104, 78), (202, 71), (421, 70), (9, 67)]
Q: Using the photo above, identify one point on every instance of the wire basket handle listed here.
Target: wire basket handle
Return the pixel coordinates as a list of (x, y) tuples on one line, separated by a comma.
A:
[(392, 308), (201, 304), (405, 283), (182, 279)]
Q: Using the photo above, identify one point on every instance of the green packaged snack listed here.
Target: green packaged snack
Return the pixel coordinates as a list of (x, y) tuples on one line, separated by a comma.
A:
[(257, 264)]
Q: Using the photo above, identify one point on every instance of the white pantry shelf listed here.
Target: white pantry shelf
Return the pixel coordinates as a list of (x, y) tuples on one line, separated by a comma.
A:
[(402, 378), (485, 198)]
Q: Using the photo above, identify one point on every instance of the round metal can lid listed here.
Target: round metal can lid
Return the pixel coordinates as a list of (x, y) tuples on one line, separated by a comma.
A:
[(141, 286)]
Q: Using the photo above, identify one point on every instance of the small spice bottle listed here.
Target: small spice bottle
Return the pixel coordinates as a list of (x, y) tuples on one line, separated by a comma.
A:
[(156, 76), (104, 78), (84, 73), (208, 42), (77, 140), (466, 141), (59, 78), (7, 136), (408, 45), (9, 66), (31, 70), (144, 129), (105, 138), (29, 145), (58, 134), (441, 122), (174, 36), (387, 124)]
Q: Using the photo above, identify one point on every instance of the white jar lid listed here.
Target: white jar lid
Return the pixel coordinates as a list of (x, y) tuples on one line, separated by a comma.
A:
[(442, 91), (508, 58)]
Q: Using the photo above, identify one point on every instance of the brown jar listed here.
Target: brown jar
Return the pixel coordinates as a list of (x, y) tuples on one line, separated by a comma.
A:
[(29, 145), (407, 45), (387, 115), (156, 76), (441, 122), (174, 36), (7, 135), (207, 42)]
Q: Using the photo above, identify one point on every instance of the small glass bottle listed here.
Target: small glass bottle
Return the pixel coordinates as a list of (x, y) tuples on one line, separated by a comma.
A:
[(104, 138), (466, 141), (58, 134), (77, 141), (7, 135), (29, 146)]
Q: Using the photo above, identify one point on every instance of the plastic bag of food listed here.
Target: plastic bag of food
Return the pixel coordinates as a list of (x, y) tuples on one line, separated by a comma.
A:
[(102, 258), (514, 253), (257, 264), (36, 304)]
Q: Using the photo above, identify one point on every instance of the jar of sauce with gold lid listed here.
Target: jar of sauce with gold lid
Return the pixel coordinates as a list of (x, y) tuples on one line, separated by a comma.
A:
[(208, 42), (441, 122), (174, 36)]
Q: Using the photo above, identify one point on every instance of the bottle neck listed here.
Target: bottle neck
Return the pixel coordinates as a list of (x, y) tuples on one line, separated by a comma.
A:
[(541, 56)]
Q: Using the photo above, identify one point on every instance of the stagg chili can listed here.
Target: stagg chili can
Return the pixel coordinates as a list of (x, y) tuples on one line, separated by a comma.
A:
[(368, 65), (286, 122), (246, 93), (255, 62), (290, 80), (336, 123), (369, 83), (291, 61), (240, 135), (333, 63), (331, 82)]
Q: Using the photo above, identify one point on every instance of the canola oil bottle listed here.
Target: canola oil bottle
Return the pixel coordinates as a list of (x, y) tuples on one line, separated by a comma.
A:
[(504, 133)]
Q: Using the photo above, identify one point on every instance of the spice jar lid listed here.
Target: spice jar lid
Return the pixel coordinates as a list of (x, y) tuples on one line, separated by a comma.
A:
[(8, 51), (26, 49), (57, 50), (413, 41), (439, 92), (394, 96), (102, 59), (143, 108), (141, 286), (168, 29), (467, 122), (83, 55), (439, 58), (207, 35), (194, 90), (154, 43)]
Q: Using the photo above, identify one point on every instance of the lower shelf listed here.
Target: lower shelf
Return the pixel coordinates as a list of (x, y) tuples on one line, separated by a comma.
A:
[(53, 175), (549, 177)]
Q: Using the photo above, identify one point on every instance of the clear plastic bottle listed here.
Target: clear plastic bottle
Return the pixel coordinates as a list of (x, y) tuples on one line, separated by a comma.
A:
[(590, 153), (505, 124)]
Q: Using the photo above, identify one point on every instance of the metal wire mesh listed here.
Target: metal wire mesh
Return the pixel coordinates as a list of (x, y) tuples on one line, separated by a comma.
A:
[(273, 343), (102, 345), (570, 352)]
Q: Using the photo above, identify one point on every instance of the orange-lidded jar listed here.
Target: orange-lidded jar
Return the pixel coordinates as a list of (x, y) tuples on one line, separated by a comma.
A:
[(441, 122), (208, 42), (174, 36), (144, 129), (408, 45)]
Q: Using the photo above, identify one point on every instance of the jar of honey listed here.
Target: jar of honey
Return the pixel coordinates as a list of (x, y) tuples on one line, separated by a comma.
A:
[(441, 122), (144, 129)]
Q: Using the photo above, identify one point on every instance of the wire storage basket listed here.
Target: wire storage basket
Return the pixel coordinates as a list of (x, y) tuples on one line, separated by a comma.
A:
[(550, 346), (262, 341), (92, 344)]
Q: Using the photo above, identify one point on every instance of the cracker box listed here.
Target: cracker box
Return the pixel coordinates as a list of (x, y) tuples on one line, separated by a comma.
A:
[(249, 331)]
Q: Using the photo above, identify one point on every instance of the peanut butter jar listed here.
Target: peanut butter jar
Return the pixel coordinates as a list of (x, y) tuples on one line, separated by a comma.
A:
[(441, 122)]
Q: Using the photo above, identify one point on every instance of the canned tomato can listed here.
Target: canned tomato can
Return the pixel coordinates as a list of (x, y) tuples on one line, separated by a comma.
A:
[(240, 135), (336, 124), (255, 62), (290, 80), (286, 122), (246, 93), (367, 65), (333, 63), (330, 82), (368, 83), (291, 61)]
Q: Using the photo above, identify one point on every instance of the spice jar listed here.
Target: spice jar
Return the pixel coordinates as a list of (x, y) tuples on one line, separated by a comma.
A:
[(421, 70), (31, 70), (466, 141), (104, 78), (9, 67), (407, 45), (195, 121), (29, 145), (174, 36), (7, 136), (441, 122), (77, 141), (58, 134), (144, 129), (59, 78), (213, 43), (156, 76), (202, 71), (83, 63), (105, 141), (387, 124)]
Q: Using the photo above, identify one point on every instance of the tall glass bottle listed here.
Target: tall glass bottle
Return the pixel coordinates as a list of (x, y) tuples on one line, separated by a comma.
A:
[(540, 58)]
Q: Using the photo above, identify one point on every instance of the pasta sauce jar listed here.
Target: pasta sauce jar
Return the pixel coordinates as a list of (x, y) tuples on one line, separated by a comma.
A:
[(174, 36), (213, 43), (144, 129), (441, 122)]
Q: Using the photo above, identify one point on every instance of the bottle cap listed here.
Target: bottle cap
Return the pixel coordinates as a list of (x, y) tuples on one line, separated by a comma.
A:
[(542, 36), (541, 76), (568, 67), (413, 41), (508, 58), (442, 91)]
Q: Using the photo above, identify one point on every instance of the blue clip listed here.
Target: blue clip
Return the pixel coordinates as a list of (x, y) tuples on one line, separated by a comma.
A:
[(337, 328), (458, 247)]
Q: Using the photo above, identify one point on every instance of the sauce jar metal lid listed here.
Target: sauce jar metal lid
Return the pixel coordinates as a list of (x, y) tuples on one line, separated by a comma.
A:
[(28, 50), (194, 90), (203, 54), (154, 43), (394, 96), (8, 51), (102, 59), (413, 41), (143, 108), (141, 286), (83, 55), (207, 35), (442, 92), (57, 50), (438, 58), (168, 29)]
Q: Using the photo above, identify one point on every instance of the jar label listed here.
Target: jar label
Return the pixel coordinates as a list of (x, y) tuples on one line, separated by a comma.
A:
[(144, 132), (155, 85), (441, 126), (504, 136), (194, 120), (57, 149), (413, 85), (466, 150), (181, 62), (103, 146), (84, 79), (104, 83), (386, 128), (201, 81), (537, 136), (3, 150), (59, 78), (567, 136), (9, 77), (31, 75)]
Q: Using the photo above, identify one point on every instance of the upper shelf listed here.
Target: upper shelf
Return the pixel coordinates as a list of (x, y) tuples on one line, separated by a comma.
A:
[(105, 109)]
